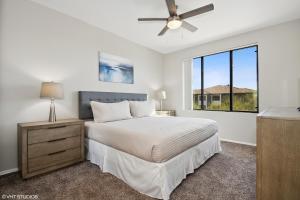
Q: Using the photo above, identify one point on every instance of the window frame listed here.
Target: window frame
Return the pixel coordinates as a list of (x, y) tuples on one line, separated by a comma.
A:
[(230, 80)]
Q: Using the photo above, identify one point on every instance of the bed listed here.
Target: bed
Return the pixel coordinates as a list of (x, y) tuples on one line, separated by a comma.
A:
[(151, 154)]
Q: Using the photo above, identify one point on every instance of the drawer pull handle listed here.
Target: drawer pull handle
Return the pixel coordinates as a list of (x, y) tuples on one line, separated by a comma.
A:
[(57, 140), (56, 152), (56, 127)]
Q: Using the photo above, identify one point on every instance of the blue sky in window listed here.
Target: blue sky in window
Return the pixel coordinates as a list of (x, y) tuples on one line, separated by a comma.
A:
[(244, 68), (216, 69)]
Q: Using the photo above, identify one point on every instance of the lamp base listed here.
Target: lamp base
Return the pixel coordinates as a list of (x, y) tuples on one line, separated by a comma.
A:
[(52, 114)]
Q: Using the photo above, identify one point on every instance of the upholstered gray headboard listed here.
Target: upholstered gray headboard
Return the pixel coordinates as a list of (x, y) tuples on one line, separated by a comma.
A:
[(85, 111)]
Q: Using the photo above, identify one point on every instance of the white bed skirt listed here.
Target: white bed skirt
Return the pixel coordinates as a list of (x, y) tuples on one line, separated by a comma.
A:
[(156, 180)]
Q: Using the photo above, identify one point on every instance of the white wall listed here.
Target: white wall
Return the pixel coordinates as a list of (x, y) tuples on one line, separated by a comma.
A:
[(38, 44), (279, 76)]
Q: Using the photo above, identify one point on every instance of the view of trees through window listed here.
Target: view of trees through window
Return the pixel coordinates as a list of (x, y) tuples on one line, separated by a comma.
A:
[(226, 81)]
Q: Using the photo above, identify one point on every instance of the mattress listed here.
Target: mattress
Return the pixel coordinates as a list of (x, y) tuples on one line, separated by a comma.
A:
[(154, 139)]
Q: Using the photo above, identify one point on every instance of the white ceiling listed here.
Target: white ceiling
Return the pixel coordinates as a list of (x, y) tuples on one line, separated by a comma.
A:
[(230, 17)]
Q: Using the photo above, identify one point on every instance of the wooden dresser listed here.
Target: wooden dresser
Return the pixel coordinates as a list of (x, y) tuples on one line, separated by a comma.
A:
[(46, 146), (278, 154)]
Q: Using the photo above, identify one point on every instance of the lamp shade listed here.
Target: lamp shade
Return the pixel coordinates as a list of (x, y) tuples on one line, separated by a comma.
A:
[(162, 94), (52, 90)]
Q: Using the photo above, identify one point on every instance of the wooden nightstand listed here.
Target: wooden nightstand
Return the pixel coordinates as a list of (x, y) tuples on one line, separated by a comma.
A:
[(46, 146), (166, 112)]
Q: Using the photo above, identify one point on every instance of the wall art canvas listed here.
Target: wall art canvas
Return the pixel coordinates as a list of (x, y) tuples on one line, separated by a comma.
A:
[(115, 69)]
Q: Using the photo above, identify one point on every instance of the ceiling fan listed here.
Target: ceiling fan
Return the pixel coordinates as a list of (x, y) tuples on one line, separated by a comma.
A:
[(175, 21)]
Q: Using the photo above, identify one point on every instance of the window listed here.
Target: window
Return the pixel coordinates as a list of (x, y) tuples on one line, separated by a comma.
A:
[(196, 85), (228, 81), (216, 69), (216, 97), (244, 79)]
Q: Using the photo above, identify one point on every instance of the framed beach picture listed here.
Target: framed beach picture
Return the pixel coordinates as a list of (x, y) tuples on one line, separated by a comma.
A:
[(115, 69)]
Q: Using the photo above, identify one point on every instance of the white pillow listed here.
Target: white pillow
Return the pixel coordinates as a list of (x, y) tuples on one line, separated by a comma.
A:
[(142, 108), (105, 112)]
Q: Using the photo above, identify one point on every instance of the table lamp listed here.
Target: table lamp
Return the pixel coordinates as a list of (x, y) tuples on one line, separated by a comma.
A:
[(52, 90), (162, 96)]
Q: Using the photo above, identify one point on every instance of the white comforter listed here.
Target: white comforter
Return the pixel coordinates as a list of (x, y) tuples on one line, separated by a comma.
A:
[(155, 139)]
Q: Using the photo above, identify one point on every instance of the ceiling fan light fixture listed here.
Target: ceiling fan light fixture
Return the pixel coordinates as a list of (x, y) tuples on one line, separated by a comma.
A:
[(174, 24)]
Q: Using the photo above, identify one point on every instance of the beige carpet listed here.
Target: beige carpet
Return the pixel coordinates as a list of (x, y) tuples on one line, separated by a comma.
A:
[(229, 175)]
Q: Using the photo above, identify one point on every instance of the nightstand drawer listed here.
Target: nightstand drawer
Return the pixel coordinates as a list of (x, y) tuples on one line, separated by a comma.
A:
[(45, 148), (166, 112), (53, 133), (53, 159)]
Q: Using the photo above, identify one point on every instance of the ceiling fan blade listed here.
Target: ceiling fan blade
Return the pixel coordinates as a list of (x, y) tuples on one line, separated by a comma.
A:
[(171, 7), (163, 31), (189, 26), (197, 11), (152, 19)]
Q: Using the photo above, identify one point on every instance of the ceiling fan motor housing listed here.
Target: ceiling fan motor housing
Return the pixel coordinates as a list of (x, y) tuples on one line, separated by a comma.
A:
[(174, 18)]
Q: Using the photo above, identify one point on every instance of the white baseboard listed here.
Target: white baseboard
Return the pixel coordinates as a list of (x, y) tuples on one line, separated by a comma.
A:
[(238, 142), (8, 171)]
